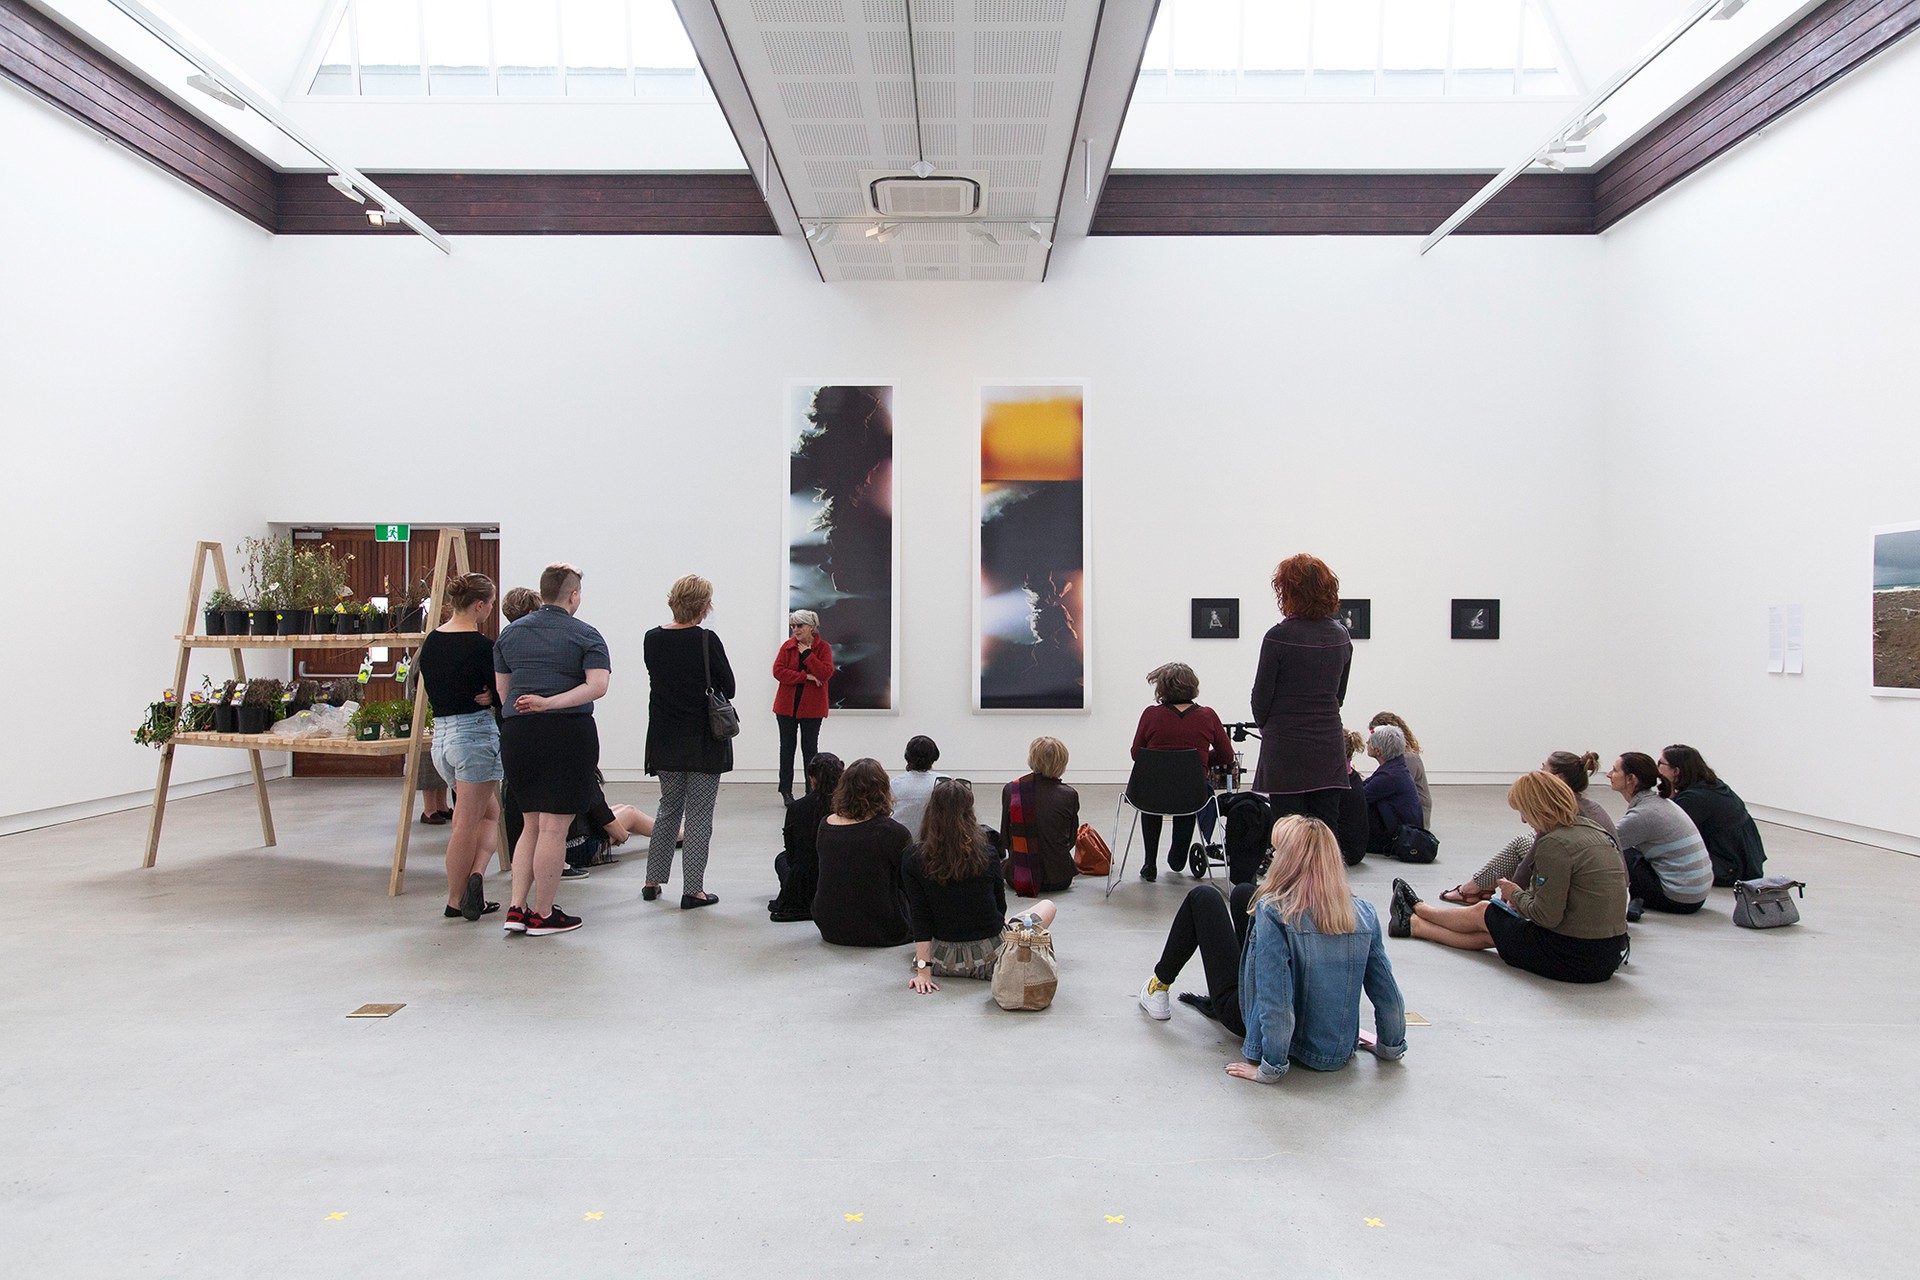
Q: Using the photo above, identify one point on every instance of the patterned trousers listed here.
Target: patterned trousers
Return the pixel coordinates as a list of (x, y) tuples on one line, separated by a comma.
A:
[(689, 797)]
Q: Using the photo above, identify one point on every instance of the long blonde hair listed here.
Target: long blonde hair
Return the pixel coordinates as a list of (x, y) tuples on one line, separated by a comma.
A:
[(1307, 877)]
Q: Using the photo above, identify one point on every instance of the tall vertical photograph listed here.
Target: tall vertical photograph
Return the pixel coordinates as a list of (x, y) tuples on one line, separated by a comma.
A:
[(841, 550), (1896, 611), (1030, 613)]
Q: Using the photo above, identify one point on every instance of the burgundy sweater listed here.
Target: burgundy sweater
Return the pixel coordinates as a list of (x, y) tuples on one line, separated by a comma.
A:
[(1162, 728)]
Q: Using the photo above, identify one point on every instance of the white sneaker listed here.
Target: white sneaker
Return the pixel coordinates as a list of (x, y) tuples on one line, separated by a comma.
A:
[(1158, 1004)]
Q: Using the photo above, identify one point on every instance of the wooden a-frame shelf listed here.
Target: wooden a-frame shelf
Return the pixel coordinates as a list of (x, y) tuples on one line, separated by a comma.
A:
[(450, 553)]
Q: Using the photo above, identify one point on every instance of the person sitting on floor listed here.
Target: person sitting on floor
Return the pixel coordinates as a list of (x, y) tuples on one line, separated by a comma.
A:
[(798, 863), (1416, 766), (1039, 822), (1352, 830), (956, 901), (911, 789), (1668, 868), (1286, 963), (1732, 838), (1569, 923), (1512, 862), (859, 900), (1392, 801), (594, 834)]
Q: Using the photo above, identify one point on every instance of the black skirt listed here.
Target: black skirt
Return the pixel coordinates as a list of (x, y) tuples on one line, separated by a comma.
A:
[(550, 759), (1525, 945)]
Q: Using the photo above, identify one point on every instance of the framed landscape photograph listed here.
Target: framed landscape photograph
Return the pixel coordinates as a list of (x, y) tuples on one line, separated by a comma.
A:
[(1357, 617), (1896, 611), (1476, 619), (1216, 619)]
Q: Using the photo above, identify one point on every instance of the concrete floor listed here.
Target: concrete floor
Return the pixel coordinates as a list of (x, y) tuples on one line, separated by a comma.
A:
[(706, 1093)]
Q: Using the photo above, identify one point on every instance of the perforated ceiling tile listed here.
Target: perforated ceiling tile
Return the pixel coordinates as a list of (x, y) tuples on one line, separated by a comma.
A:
[(1012, 204), (1010, 139), (809, 53), (1016, 53), (937, 98), (821, 100), (867, 273), (817, 138), (982, 252), (1014, 174), (998, 273), (933, 52), (828, 174), (1022, 11), (900, 139), (878, 12), (861, 251), (924, 253), (835, 204), (1015, 99), (813, 11), (928, 233)]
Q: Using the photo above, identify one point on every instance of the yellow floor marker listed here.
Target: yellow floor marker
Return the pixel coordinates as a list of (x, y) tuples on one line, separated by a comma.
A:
[(592, 1217), (336, 1217), (855, 1217), (1375, 1222), (1117, 1218)]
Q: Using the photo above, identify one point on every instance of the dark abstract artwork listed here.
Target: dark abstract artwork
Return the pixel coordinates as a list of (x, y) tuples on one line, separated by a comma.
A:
[(840, 537), (1476, 619), (1357, 617), (1216, 619), (1031, 608)]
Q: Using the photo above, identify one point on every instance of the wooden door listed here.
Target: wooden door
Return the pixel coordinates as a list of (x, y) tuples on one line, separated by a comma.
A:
[(378, 567)]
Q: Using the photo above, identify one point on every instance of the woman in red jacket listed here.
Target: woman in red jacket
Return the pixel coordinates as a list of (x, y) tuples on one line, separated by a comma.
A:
[(803, 667)]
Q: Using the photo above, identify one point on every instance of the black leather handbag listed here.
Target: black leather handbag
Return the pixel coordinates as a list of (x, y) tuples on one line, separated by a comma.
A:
[(723, 721)]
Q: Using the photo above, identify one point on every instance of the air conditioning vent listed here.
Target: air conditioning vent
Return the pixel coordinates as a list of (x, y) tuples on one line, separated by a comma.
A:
[(944, 195)]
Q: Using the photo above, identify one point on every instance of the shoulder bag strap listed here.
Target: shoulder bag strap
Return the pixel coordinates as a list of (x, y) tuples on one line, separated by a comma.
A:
[(706, 662)]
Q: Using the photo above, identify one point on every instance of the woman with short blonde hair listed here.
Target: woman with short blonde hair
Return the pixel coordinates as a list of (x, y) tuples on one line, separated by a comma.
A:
[(686, 665), (1287, 961), (1039, 822), (1567, 923)]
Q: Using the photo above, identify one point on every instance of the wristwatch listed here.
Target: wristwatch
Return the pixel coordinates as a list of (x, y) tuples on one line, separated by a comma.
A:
[(922, 964)]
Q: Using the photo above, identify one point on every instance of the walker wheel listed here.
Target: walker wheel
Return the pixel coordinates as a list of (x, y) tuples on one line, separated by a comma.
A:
[(1197, 861)]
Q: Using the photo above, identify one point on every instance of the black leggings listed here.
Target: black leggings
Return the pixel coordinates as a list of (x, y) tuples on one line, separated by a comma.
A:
[(1216, 927), (808, 731), (1182, 834), (1643, 882)]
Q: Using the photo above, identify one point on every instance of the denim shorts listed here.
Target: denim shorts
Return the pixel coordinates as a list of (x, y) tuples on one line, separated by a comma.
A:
[(467, 748)]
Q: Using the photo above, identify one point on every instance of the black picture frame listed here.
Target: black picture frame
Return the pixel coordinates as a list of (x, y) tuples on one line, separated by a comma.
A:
[(1357, 617), (1216, 619), (1476, 619)]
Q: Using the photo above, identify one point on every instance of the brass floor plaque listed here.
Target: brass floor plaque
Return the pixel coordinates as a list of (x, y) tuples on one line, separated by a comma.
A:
[(376, 1010), (1413, 1019)]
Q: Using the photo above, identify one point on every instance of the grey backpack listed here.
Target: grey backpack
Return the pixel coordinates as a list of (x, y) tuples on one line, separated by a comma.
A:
[(1766, 903)]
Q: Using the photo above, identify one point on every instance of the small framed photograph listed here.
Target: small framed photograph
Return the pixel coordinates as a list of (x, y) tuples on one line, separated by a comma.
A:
[(1357, 617), (1476, 619), (1216, 619)]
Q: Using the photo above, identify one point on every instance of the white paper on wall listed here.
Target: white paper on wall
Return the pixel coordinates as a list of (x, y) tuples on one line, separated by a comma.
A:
[(1796, 628), (1776, 639)]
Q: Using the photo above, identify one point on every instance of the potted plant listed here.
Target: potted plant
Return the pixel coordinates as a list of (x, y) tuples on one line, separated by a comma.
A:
[(365, 722), (218, 605), (335, 693), (224, 718), (161, 716), (303, 694), (373, 620), (399, 717), (260, 705), (238, 616), (409, 606), (269, 569), (198, 713)]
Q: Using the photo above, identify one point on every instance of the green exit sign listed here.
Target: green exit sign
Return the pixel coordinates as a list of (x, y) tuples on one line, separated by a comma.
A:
[(392, 532)]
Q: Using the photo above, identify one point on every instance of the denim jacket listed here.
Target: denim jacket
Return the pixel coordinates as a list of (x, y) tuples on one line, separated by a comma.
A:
[(1300, 992)]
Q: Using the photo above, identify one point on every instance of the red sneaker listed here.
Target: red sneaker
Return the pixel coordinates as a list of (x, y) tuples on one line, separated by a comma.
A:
[(555, 921), (516, 920)]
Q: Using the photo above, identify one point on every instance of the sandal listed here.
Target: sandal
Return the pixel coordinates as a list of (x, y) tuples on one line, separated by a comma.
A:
[(1458, 898)]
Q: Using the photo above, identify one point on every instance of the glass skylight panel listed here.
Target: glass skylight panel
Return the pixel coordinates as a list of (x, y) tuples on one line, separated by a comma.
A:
[(1346, 48), (1539, 66), (1156, 65), (593, 38), (526, 47), (459, 52), (1486, 46), (336, 65), (389, 47), (1414, 35), (1206, 48), (664, 65), (1273, 63)]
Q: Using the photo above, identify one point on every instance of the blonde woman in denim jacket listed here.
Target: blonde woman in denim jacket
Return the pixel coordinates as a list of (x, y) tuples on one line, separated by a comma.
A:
[(1312, 949)]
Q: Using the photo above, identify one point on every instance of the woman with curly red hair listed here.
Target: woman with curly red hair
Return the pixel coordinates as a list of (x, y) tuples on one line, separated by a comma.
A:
[(1297, 692)]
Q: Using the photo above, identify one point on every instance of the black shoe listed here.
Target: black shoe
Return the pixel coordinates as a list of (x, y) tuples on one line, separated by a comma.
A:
[(555, 921), (1177, 859), (688, 902), (786, 798), (1149, 874), (475, 898), (649, 892), (1400, 910), (1403, 893), (1635, 909), (571, 872), (1203, 1003), (790, 917)]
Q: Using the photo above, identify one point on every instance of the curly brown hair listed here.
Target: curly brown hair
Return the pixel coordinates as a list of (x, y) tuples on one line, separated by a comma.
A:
[(864, 792), (1305, 588), (1174, 683), (1388, 717)]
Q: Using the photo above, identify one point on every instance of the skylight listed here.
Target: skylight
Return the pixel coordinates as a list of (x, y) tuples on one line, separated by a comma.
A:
[(539, 49), (1257, 50)]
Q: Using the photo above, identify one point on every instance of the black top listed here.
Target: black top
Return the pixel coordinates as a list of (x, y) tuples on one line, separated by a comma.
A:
[(1727, 829), (859, 901), (1352, 833), (1297, 691), (799, 835), (965, 911), (456, 666), (677, 737)]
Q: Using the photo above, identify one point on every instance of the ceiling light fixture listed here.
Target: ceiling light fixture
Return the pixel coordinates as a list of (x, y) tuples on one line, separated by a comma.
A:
[(345, 187), (1038, 230), (819, 232), (384, 218), (983, 235), (883, 231), (215, 90), (1584, 118), (1549, 162)]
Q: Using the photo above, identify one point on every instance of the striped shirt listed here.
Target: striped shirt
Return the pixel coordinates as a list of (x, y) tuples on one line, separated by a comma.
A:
[(1668, 840)]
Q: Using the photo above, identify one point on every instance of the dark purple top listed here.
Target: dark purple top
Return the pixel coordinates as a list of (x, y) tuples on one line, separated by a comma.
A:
[(1297, 692)]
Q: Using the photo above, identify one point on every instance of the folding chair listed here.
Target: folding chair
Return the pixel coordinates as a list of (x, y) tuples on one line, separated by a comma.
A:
[(1172, 784)]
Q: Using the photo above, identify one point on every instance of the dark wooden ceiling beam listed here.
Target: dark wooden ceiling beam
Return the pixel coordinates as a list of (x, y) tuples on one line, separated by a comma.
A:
[(1301, 204), (601, 204)]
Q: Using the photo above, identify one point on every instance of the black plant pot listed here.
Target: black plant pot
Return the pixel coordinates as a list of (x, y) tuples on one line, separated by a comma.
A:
[(413, 620), (296, 622), (325, 622), (351, 624), (264, 623), (254, 720), (216, 622), (377, 624), (237, 621), (224, 718)]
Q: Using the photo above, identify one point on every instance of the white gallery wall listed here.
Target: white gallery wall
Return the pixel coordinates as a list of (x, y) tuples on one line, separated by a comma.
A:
[(133, 402), (618, 402), (1761, 330)]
